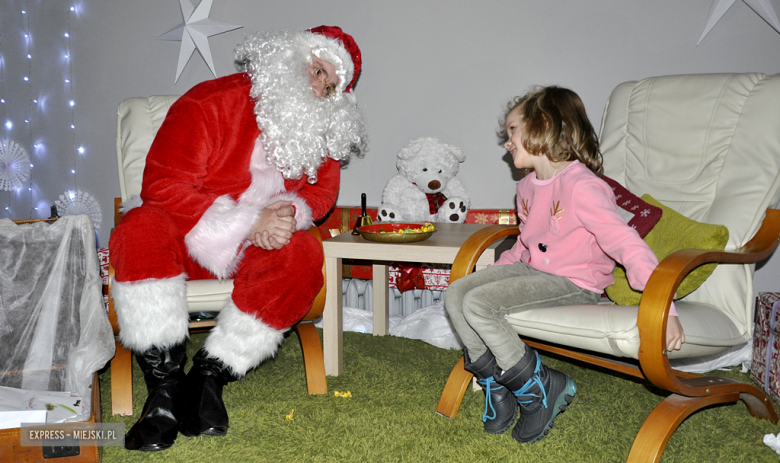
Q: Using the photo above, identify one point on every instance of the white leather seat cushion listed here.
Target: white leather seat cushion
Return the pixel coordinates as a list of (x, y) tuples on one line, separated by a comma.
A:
[(611, 329), (208, 295)]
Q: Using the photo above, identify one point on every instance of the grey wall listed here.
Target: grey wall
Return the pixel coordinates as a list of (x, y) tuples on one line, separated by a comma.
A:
[(437, 68)]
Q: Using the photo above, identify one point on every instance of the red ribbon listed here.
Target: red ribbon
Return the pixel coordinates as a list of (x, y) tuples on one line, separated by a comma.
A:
[(410, 278)]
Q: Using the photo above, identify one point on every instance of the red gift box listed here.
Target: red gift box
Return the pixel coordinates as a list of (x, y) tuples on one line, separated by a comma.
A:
[(765, 368), (492, 216), (406, 276)]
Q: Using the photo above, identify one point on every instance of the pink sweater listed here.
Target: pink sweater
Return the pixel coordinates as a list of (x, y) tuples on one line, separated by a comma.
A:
[(570, 227)]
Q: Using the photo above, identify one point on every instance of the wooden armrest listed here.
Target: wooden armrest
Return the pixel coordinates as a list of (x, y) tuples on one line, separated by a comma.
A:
[(117, 215), (663, 283), (475, 245), (111, 311), (318, 305)]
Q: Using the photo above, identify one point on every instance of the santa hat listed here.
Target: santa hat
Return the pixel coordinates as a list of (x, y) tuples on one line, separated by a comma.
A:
[(335, 46)]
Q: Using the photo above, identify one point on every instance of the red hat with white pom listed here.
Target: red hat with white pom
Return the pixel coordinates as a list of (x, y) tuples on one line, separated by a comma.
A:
[(335, 46)]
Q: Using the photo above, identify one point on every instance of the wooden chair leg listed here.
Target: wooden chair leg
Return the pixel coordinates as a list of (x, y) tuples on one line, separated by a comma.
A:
[(454, 390), (122, 381), (313, 359), (758, 403), (659, 426)]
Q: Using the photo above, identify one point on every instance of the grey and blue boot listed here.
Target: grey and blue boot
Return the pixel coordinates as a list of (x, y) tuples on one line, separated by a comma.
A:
[(500, 403), (541, 392)]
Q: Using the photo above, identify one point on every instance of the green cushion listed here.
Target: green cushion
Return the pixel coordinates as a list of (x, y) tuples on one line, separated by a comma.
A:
[(672, 233)]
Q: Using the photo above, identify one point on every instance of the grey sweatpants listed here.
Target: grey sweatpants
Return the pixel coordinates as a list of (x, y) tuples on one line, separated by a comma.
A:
[(478, 303)]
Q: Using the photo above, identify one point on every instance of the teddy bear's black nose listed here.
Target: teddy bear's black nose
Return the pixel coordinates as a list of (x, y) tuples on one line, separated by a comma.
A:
[(434, 184)]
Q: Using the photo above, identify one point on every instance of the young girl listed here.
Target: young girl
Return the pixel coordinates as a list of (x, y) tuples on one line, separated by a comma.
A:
[(570, 234)]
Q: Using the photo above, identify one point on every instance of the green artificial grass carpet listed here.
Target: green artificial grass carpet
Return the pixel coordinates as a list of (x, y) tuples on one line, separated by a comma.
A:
[(395, 385)]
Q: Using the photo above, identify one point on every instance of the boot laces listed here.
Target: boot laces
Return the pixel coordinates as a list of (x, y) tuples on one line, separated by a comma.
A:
[(530, 384), (489, 384)]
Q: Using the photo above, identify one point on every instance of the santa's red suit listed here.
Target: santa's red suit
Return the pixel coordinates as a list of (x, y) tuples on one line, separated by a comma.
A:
[(198, 208), (206, 179), (227, 150)]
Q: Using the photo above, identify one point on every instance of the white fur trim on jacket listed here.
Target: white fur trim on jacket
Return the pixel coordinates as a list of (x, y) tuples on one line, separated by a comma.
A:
[(303, 214), (151, 313), (131, 203), (241, 341), (215, 242)]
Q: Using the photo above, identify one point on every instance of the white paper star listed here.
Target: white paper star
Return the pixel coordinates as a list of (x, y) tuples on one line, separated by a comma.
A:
[(194, 33), (763, 8), (78, 202), (14, 165)]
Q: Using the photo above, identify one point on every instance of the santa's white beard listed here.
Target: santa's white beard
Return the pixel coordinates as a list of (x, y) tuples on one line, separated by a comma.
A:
[(299, 130)]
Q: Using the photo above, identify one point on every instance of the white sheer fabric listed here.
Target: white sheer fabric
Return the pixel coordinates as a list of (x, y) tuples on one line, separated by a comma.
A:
[(54, 330)]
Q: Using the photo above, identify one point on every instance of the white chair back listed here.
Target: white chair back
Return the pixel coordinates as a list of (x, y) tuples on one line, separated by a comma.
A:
[(138, 120), (707, 146)]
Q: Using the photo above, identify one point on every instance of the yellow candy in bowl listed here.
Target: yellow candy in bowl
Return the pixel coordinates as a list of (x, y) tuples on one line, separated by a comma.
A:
[(397, 232)]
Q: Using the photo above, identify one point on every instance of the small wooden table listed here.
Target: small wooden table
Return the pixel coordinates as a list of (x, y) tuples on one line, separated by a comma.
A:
[(440, 248)]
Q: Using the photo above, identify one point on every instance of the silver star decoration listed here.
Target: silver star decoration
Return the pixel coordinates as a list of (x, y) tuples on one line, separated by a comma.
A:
[(194, 33), (763, 8)]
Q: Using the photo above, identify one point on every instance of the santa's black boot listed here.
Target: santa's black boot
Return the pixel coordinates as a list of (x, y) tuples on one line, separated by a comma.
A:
[(159, 423), (205, 411), (500, 403), (541, 392)]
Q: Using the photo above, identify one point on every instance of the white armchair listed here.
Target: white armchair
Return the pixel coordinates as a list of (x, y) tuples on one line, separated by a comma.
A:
[(138, 120), (708, 146)]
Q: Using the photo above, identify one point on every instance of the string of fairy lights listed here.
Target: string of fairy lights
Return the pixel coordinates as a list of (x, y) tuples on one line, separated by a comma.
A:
[(2, 101), (28, 120), (33, 137), (71, 102)]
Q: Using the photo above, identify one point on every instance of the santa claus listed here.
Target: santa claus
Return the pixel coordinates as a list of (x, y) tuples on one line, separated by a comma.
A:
[(240, 168)]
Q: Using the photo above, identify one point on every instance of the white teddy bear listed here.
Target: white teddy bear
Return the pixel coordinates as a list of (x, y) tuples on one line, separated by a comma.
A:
[(425, 188)]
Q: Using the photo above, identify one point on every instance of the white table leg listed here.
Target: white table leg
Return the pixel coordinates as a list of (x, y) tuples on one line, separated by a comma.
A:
[(333, 319), (381, 275)]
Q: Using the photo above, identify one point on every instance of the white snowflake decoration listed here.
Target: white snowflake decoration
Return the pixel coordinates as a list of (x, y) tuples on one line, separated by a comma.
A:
[(77, 202), (14, 165)]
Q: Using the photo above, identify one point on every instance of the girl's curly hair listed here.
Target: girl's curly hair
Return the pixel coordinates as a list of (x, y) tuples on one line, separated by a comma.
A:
[(556, 125)]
